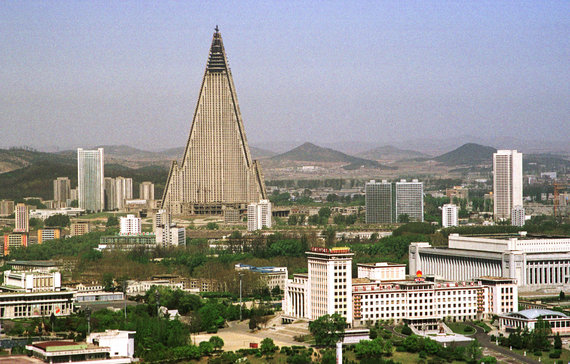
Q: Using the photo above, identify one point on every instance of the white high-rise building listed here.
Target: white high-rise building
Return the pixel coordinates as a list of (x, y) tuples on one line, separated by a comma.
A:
[(330, 282), (146, 191), (130, 225), (379, 202), (259, 215), (517, 216), (507, 182), (22, 217), (449, 215), (123, 191), (410, 200), (90, 176)]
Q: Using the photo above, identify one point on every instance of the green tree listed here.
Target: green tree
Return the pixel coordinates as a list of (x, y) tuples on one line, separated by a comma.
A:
[(330, 236), (328, 356), (108, 282), (112, 221), (217, 342), (373, 349), (328, 329), (206, 348), (268, 346), (473, 351), (562, 295), (557, 342), (58, 220), (36, 223), (404, 218), (212, 226)]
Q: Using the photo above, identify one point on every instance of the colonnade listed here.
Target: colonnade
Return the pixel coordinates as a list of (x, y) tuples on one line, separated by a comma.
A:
[(458, 268), (296, 304), (551, 272)]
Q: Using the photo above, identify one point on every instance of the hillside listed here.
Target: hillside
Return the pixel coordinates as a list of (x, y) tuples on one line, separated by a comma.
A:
[(309, 152), (468, 154), (36, 171), (389, 152)]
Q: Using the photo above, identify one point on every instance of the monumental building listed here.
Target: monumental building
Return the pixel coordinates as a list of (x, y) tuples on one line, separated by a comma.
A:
[(217, 170)]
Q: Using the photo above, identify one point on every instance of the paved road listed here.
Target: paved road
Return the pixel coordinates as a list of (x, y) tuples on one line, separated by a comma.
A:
[(486, 342)]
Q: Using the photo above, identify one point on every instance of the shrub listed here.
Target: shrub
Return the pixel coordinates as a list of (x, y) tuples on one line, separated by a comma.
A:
[(555, 354), (406, 330), (538, 353)]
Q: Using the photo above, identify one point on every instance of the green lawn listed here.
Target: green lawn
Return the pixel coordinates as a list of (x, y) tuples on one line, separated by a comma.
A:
[(460, 328), (565, 357)]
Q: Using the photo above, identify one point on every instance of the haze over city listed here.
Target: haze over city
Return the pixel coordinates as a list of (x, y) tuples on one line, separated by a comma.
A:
[(98, 73)]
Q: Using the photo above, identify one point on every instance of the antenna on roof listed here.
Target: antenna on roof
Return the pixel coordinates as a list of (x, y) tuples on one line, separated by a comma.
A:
[(217, 29)]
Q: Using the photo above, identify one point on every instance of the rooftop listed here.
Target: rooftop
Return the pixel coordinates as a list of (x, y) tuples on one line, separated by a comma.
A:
[(535, 313)]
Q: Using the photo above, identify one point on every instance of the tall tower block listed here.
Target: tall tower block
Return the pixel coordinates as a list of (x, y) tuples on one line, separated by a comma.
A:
[(217, 170)]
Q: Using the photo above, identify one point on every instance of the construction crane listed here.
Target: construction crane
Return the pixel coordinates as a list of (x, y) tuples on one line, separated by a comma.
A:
[(557, 187)]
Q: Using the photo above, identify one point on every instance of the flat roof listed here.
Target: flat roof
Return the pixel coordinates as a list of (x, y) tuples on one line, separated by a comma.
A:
[(36, 263)]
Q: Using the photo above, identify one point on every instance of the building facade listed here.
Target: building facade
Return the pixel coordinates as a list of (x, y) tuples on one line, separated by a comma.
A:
[(259, 215), (61, 190), (379, 202), (272, 276), (217, 170), (6, 207), (146, 191), (534, 263), (90, 176), (518, 216), (130, 225), (410, 200), (507, 182), (48, 234), (449, 215), (31, 281), (22, 218), (15, 240), (80, 228)]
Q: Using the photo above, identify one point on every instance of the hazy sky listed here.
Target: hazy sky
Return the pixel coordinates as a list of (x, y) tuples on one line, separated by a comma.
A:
[(84, 73)]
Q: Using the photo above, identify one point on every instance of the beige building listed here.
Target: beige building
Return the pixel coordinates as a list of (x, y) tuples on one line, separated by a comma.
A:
[(507, 182), (22, 216), (61, 190), (146, 191), (80, 228), (6, 208), (217, 170)]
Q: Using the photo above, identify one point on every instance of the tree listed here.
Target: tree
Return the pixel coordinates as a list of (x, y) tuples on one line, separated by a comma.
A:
[(212, 226), (253, 323), (329, 357), (562, 295), (330, 235), (557, 342), (217, 342), (406, 330), (268, 346), (206, 348), (404, 218), (276, 291), (328, 329), (108, 282), (112, 221), (58, 220), (473, 351), (373, 349)]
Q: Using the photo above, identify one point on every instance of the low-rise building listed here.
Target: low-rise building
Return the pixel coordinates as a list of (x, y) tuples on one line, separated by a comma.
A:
[(526, 319), (14, 240), (42, 266), (48, 234), (110, 347), (272, 276), (36, 304), (80, 228), (146, 241), (31, 281)]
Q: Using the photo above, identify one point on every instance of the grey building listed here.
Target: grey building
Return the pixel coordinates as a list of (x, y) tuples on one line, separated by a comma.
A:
[(379, 202), (410, 200)]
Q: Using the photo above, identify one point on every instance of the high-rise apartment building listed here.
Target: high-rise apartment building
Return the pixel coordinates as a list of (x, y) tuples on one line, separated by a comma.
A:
[(22, 217), (259, 215), (449, 215), (217, 169), (90, 177), (507, 182), (379, 202), (6, 207), (517, 216), (61, 190), (123, 191), (410, 200), (130, 225), (330, 282), (110, 194), (48, 234), (15, 240), (146, 191)]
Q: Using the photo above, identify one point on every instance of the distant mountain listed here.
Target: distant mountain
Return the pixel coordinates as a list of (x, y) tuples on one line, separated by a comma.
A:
[(389, 152), (309, 152), (470, 154)]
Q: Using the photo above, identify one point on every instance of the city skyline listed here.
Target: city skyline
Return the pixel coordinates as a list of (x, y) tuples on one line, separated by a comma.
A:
[(325, 73)]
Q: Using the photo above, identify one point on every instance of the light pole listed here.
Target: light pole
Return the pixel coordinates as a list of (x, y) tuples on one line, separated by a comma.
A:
[(240, 285)]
